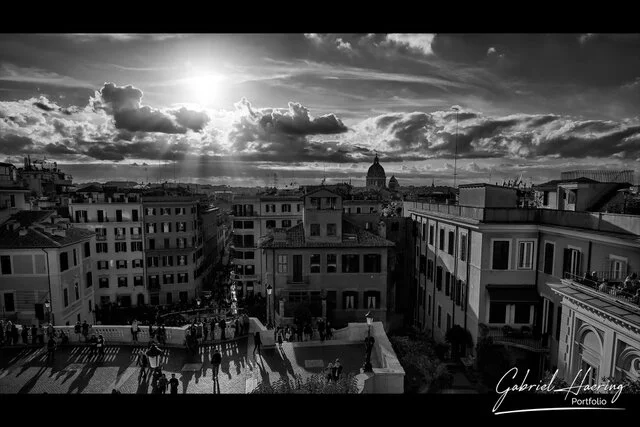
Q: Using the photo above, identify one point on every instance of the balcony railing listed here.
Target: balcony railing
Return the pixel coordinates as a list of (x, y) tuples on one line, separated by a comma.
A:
[(302, 280), (101, 237), (136, 237), (609, 284), (121, 236), (522, 337)]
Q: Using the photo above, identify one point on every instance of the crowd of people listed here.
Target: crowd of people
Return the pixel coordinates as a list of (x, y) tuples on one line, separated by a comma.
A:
[(14, 334), (215, 329), (333, 371), (628, 289), (301, 331)]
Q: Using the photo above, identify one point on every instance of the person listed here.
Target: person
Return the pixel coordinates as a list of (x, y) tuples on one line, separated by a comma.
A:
[(594, 276), (85, 330), (328, 330), (135, 329), (329, 373), (257, 341), (64, 339), (212, 326), (78, 329), (223, 327), (50, 331), (216, 360), (41, 335), (93, 342), (321, 329), (143, 362), (238, 327), (293, 332), (15, 333), (173, 384), (307, 332), (25, 334), (163, 383), (51, 348), (100, 345), (162, 335), (280, 339), (338, 368), (287, 334)]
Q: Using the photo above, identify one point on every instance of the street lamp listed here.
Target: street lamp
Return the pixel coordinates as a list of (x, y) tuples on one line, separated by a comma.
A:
[(368, 344), (269, 291), (47, 305)]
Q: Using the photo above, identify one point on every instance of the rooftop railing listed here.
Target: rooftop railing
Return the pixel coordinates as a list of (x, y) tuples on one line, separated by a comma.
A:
[(609, 285)]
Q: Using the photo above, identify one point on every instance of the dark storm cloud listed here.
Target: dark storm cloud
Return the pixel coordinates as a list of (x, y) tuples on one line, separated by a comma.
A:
[(58, 149), (124, 103), (15, 144)]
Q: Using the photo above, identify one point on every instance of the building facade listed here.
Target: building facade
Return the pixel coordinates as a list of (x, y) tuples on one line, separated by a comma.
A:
[(46, 270), (376, 177), (328, 263)]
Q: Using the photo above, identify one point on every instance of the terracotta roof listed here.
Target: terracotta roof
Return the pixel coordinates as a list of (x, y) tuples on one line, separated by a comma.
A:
[(36, 237), (26, 218), (295, 239)]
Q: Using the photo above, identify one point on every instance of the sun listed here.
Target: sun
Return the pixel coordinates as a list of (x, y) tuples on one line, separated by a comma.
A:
[(205, 89)]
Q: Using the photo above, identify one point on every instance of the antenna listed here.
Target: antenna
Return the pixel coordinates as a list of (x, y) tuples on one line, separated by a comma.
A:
[(455, 156)]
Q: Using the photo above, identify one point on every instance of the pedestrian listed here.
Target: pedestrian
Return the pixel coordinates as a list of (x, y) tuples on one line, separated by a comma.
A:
[(287, 334), (328, 330), (280, 339), (163, 383), (152, 332), (100, 345), (135, 329), (238, 327), (78, 329), (214, 322), (41, 335), (34, 334), (329, 372), (338, 368), (25, 334), (173, 384), (93, 344), (216, 360), (257, 341), (51, 348), (223, 328), (299, 332), (85, 330), (50, 331), (143, 362)]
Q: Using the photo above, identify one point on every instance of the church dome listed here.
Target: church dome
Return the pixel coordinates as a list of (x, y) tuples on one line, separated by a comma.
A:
[(393, 183), (393, 180), (376, 170)]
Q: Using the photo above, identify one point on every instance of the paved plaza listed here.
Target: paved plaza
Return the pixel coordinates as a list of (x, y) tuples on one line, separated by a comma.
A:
[(76, 370)]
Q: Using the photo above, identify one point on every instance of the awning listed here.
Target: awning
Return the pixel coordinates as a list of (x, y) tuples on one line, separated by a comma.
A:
[(507, 293)]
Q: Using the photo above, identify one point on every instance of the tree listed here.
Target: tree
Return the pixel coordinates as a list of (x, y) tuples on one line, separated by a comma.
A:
[(459, 338)]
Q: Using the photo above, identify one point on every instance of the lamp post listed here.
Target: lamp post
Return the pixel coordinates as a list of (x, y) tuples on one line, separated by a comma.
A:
[(47, 305), (455, 156), (368, 344), (269, 291)]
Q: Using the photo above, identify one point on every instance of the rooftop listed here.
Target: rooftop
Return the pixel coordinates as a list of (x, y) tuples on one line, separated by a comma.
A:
[(295, 238), (30, 231)]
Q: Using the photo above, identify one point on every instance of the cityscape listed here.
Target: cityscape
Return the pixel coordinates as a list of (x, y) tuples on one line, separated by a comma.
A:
[(416, 214)]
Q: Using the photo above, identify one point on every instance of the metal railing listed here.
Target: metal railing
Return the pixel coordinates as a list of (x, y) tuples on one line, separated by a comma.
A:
[(614, 287), (522, 337), (121, 236), (136, 237), (100, 237)]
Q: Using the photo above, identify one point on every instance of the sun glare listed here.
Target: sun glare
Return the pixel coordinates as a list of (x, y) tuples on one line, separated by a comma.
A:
[(205, 89)]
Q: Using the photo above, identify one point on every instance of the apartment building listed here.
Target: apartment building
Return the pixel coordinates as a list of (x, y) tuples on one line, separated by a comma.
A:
[(46, 270), (174, 248), (116, 219), (491, 267), (337, 268), (254, 217)]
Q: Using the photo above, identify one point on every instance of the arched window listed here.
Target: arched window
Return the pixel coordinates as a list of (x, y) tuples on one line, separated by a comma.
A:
[(589, 350)]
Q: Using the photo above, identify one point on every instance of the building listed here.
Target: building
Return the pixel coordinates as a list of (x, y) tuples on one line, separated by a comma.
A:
[(254, 217), (393, 184), (490, 267), (46, 270), (119, 258), (44, 178), (601, 175), (174, 247), (13, 193), (328, 263), (376, 177), (579, 194)]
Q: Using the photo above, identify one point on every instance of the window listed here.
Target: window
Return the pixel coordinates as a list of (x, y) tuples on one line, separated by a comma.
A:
[(154, 282), (372, 300), (249, 269), (500, 255), (447, 282), (103, 282), (87, 249), (430, 270), (558, 317), (271, 223), (121, 263), (118, 215), (525, 255), (75, 257), (165, 227), (182, 242), (165, 211), (238, 225), (370, 210), (282, 263), (331, 229), (395, 226), (315, 263), (152, 243), (183, 296), (315, 202), (350, 263), (497, 312), (103, 265), (286, 208), (182, 226), (439, 278), (64, 261), (248, 241), (134, 215), (545, 198), (358, 210), (169, 298), (439, 317), (182, 260), (136, 246), (151, 228), (249, 255), (167, 279), (423, 264), (522, 313), (431, 234), (549, 251), (122, 282), (66, 297), (150, 211), (248, 225), (89, 280), (315, 229), (137, 281), (441, 242), (153, 261), (101, 248), (167, 261), (372, 263), (458, 292), (183, 277), (332, 263), (100, 216), (298, 207), (463, 247), (286, 223), (180, 211), (350, 300), (572, 258), (452, 242), (136, 263), (618, 268), (5, 264), (9, 302), (121, 247)]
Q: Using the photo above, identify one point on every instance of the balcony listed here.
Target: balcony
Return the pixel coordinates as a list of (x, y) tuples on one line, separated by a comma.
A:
[(121, 236), (609, 285), (136, 237), (101, 237), (520, 337), (301, 280)]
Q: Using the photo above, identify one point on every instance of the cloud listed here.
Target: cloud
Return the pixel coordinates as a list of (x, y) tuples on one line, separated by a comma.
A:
[(13, 73), (343, 46), (583, 38), (124, 103), (420, 42), (115, 37), (316, 38), (492, 51)]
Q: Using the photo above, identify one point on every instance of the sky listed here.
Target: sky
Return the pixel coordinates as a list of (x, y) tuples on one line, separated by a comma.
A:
[(238, 108)]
